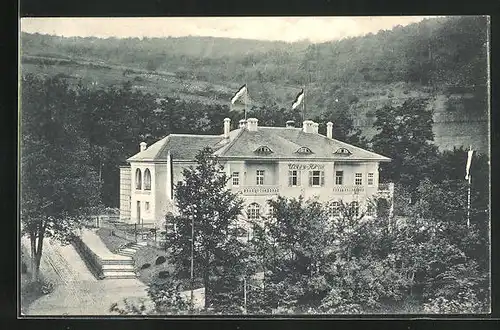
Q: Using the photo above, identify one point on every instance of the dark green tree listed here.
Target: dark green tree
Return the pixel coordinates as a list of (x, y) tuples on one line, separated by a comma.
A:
[(203, 199), (59, 186), (405, 135)]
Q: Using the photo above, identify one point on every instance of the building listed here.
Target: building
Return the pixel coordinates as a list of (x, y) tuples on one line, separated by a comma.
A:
[(263, 162)]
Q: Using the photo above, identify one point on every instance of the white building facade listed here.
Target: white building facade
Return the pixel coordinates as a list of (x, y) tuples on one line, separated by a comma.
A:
[(263, 162)]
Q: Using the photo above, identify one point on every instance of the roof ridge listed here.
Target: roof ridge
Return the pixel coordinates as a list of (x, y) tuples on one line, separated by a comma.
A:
[(231, 143), (162, 147), (195, 135)]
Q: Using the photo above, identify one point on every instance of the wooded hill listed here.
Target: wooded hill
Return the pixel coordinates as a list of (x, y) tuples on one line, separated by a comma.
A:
[(443, 60)]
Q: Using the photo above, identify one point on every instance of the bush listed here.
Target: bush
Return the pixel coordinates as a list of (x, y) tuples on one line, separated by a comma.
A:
[(47, 287), (160, 260), (146, 265), (163, 274)]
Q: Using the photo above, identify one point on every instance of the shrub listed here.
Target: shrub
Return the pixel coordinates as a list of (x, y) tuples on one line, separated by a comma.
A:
[(163, 274), (160, 260), (146, 265), (47, 287)]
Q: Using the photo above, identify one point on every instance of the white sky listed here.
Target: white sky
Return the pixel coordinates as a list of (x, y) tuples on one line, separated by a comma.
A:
[(315, 29)]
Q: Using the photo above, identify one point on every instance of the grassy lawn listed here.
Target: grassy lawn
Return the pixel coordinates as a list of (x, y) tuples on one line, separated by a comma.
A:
[(145, 255), (150, 275), (113, 243)]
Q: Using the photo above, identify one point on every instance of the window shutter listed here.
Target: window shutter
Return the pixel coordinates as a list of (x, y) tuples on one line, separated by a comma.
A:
[(289, 178), (298, 178), (322, 178), (310, 179)]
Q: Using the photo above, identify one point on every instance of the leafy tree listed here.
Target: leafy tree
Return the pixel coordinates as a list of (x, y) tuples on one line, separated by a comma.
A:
[(405, 135), (58, 184), (202, 199), (316, 263)]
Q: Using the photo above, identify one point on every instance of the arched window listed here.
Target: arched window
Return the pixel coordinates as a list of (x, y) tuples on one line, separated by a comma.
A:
[(138, 179), (343, 152), (253, 211), (147, 179), (304, 150), (263, 150)]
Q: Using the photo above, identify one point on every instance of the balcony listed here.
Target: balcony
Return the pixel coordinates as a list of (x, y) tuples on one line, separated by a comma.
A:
[(258, 190), (348, 190)]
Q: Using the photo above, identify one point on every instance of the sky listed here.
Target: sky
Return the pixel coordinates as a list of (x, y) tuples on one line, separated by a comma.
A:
[(290, 29)]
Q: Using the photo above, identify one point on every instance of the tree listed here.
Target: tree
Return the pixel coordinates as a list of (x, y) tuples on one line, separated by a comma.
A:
[(405, 135), (203, 201), (320, 259), (58, 185)]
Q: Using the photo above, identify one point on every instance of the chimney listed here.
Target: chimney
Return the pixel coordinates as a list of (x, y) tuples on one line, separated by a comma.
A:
[(329, 130), (143, 146), (252, 124), (227, 127), (307, 126), (243, 123), (315, 127), (290, 124)]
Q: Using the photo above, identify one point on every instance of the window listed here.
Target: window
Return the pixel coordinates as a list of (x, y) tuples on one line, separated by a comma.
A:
[(260, 177), (316, 178), (253, 211), (263, 150), (339, 177), (304, 150), (334, 209), (370, 179), (343, 152), (138, 179), (147, 206), (293, 178), (355, 208), (147, 179), (358, 180), (236, 178)]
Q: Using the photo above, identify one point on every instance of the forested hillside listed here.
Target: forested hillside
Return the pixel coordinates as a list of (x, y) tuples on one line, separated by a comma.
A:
[(443, 60)]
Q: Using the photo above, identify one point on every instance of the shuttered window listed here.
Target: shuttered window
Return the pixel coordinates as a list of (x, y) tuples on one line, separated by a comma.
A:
[(316, 178), (293, 178)]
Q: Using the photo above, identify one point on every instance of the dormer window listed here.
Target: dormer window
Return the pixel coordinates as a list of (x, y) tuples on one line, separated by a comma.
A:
[(263, 150), (304, 150), (343, 152)]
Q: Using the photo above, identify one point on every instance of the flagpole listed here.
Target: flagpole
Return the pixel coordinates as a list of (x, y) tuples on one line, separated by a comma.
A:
[(468, 203), (246, 99), (304, 105), (469, 180)]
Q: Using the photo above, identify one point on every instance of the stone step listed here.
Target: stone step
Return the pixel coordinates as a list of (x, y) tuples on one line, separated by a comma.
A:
[(117, 274), (126, 268), (117, 262), (130, 250)]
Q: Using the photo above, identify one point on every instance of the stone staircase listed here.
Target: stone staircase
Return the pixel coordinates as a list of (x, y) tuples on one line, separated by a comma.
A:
[(118, 268), (130, 250)]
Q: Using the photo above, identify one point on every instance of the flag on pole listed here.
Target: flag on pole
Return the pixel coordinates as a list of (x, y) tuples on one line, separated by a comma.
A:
[(242, 91), (469, 160), (298, 99)]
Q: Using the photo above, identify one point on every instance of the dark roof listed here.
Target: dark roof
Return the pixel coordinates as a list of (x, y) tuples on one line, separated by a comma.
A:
[(242, 143), (285, 142), (181, 146)]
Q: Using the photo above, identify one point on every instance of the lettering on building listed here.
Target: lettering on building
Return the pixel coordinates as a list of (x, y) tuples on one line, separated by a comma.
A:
[(306, 166)]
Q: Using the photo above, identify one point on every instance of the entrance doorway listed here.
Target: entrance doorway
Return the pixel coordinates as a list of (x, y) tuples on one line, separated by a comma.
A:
[(138, 211)]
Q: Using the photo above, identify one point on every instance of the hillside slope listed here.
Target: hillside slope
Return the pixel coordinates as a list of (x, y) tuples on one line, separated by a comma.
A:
[(442, 59)]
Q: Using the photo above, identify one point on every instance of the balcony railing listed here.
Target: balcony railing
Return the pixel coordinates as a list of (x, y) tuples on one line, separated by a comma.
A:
[(386, 187), (258, 190), (348, 189)]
